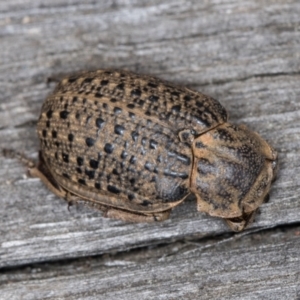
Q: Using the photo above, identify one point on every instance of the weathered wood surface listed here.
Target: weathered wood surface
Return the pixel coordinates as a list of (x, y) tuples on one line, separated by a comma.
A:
[(244, 53), (260, 266)]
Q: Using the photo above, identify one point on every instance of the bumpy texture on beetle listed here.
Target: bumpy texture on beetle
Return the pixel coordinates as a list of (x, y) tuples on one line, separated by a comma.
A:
[(137, 146)]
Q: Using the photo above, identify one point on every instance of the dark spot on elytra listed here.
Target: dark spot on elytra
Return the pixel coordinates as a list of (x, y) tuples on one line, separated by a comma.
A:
[(148, 166), (202, 119), (57, 144), (104, 82), (78, 170), (175, 174), (44, 133), (130, 197), (77, 116), (148, 113), (134, 135), (48, 124), (130, 105), (70, 137), (45, 143), (97, 185), (88, 119), (187, 98), (98, 95), (199, 103), (108, 148), (176, 94), (136, 93), (113, 100), (153, 98), (120, 86), (99, 122), (143, 141), (131, 115), (146, 203), (119, 129), (75, 99), (94, 163), (65, 157), (132, 181), (90, 173), (89, 142), (117, 110), (153, 85), (72, 79), (124, 154), (176, 108), (63, 114), (115, 172), (153, 144), (49, 113), (66, 175), (79, 161), (113, 189), (54, 134), (56, 155), (141, 102), (88, 80), (185, 159), (81, 181), (132, 159)]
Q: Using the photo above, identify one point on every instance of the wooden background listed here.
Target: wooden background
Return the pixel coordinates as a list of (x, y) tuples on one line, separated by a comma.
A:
[(244, 53)]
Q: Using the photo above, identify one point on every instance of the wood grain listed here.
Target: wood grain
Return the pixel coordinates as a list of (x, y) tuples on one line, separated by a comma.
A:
[(243, 53), (260, 266)]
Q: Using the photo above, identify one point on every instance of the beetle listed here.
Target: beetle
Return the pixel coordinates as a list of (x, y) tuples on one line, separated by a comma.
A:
[(136, 146)]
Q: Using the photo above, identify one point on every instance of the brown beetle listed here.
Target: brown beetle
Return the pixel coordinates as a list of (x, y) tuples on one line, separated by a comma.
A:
[(137, 146)]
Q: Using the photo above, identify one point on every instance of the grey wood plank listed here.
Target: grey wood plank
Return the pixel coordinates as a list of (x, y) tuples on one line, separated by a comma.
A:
[(246, 54), (259, 266)]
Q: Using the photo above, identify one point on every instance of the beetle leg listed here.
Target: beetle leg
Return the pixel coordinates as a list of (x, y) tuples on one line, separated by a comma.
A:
[(35, 172), (128, 216), (39, 171), (10, 153)]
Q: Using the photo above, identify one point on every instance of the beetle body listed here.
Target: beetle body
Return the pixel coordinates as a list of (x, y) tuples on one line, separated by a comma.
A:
[(137, 146)]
